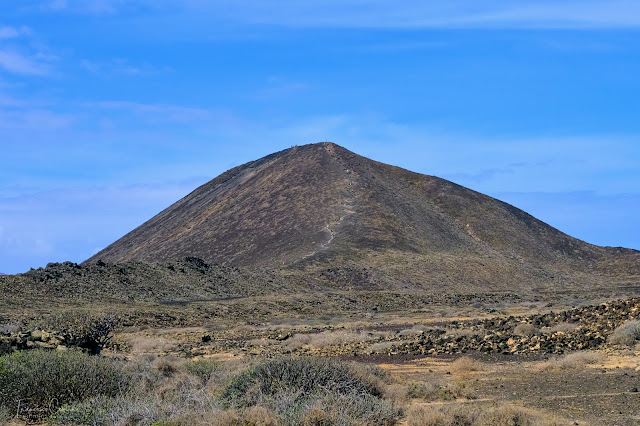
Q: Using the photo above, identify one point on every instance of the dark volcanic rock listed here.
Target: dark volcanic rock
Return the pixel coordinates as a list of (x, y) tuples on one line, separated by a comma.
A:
[(592, 326)]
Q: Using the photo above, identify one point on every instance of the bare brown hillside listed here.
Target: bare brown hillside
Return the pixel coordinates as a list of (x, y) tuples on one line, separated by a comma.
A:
[(324, 209)]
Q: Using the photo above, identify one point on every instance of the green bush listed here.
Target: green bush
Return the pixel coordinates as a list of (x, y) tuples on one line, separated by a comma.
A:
[(204, 369), (296, 388), (80, 329), (90, 412), (109, 411), (305, 376), (35, 383)]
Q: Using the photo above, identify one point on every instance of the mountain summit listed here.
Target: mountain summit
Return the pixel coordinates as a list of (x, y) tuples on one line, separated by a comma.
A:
[(316, 205)]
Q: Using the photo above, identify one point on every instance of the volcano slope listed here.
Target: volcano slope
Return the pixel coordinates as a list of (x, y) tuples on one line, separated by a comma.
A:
[(317, 230), (331, 215)]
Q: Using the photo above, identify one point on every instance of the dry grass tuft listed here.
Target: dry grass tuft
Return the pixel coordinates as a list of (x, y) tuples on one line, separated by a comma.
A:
[(328, 338), (260, 416), (464, 366), (438, 390), (150, 345), (167, 366), (627, 334), (501, 415), (382, 346), (574, 360), (563, 327), (524, 330)]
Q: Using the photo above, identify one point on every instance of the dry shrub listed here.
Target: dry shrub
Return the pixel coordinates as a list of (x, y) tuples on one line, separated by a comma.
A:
[(226, 418), (454, 415), (626, 334), (416, 330), (437, 390), (10, 328), (252, 416), (426, 415), (206, 370), (171, 399), (316, 417), (524, 330), (167, 392), (327, 338), (574, 360), (245, 329), (150, 345), (466, 332), (260, 416), (261, 342), (514, 415), (167, 366), (297, 341), (291, 387), (396, 392), (382, 346), (563, 327), (214, 418), (463, 366)]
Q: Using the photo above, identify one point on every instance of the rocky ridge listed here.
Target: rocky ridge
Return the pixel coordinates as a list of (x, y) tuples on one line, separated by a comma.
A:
[(551, 333)]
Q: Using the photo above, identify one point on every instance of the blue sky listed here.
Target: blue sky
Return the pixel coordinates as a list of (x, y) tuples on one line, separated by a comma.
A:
[(111, 110)]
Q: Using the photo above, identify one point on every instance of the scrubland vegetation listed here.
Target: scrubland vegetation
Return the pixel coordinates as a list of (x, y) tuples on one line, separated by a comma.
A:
[(74, 388), (302, 371), (70, 387)]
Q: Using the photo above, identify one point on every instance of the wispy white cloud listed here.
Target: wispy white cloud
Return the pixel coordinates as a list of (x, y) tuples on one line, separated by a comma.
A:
[(120, 66), (411, 14), (19, 63), (377, 13), (16, 60), (11, 101), (34, 120), (13, 32), (93, 7), (163, 112)]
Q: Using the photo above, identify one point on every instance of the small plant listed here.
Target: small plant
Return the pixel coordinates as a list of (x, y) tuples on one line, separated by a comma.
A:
[(563, 327), (302, 389), (627, 334), (203, 369), (501, 415), (574, 360), (463, 366), (524, 330), (10, 328), (35, 383), (80, 329), (439, 391)]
